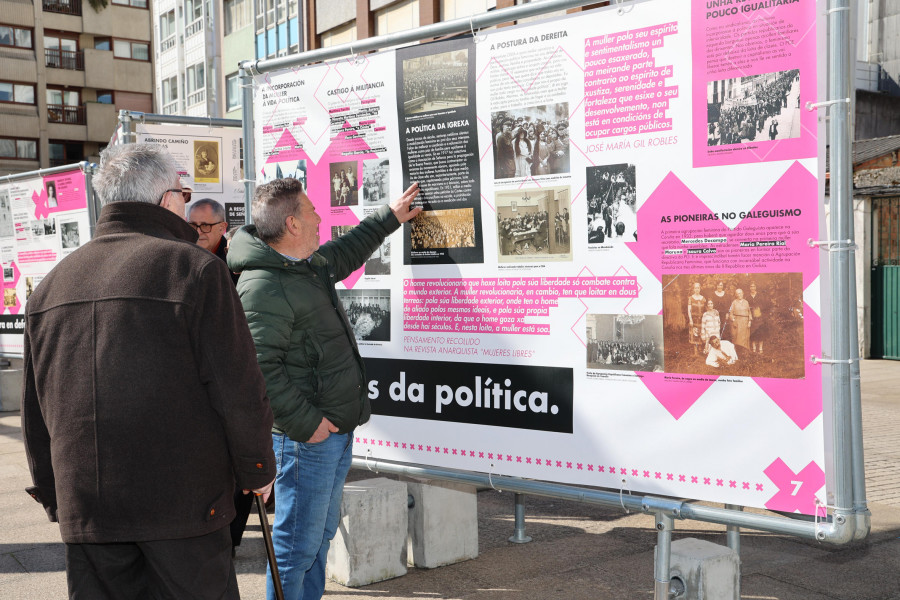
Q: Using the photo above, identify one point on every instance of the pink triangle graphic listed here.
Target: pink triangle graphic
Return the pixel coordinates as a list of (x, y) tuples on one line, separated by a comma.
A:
[(675, 393)]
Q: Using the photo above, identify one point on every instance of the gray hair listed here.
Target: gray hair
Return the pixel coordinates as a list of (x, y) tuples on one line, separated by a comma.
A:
[(218, 210), (273, 203), (134, 173)]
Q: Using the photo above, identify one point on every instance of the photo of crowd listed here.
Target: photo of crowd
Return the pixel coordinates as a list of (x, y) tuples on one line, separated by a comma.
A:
[(295, 169), (529, 142), (344, 184), (435, 82), (41, 227), (369, 312), (753, 108), (625, 342), (452, 228), (748, 324), (379, 263), (611, 204), (376, 182), (534, 223)]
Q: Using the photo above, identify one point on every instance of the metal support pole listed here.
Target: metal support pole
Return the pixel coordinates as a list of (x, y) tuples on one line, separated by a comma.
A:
[(664, 526), (519, 536), (127, 135), (839, 262), (733, 540), (246, 83), (93, 206)]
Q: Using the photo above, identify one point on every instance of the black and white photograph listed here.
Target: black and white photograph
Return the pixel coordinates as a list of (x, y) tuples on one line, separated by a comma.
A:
[(41, 227), (625, 342), (379, 263), (8, 273), (376, 181), (745, 324), (754, 108), (534, 224), (452, 228), (531, 141), (6, 222), (344, 183), (52, 200), (369, 312), (287, 168), (71, 238), (611, 204), (435, 82)]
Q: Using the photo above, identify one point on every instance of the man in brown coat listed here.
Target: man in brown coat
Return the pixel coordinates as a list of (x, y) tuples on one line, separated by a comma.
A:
[(136, 422)]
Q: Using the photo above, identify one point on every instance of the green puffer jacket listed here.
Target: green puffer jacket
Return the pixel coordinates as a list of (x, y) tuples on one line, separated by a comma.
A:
[(304, 343)]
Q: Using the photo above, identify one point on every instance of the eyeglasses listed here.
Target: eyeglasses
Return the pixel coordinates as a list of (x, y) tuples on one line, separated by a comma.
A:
[(177, 190), (204, 227)]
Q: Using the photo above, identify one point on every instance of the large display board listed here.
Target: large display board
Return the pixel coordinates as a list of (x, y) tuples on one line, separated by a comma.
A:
[(610, 284), (209, 160), (42, 220)]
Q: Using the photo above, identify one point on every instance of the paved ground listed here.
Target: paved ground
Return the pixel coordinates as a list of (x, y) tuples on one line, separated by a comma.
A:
[(578, 552)]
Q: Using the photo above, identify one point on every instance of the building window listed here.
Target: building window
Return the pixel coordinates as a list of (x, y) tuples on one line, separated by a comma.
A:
[(167, 30), (232, 92), (105, 97), (62, 53), (64, 106), (238, 14), (18, 149), (64, 7), (18, 93), (131, 50), (131, 3), (170, 96), (339, 35), (452, 9), (65, 153), (102, 43), (15, 36), (397, 17), (193, 10), (195, 81)]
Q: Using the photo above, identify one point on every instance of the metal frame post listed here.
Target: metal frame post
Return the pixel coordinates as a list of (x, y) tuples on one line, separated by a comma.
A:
[(127, 134), (519, 537), (840, 265), (246, 82), (664, 526), (91, 198)]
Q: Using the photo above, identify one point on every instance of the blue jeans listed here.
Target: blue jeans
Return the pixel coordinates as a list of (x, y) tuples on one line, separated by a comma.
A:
[(308, 490)]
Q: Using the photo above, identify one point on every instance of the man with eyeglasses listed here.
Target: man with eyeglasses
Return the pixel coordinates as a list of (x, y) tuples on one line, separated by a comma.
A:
[(138, 426), (207, 217)]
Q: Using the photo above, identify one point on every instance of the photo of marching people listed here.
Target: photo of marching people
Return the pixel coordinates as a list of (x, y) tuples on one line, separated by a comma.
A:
[(376, 182), (625, 342), (745, 324), (532, 141), (369, 312), (611, 204), (344, 183), (379, 263), (435, 82), (755, 108), (534, 223), (287, 168), (452, 228)]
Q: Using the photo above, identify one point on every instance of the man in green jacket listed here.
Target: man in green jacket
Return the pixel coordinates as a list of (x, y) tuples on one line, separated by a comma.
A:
[(315, 377)]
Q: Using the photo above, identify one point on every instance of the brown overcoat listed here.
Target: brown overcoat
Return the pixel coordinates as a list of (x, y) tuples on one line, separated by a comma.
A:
[(143, 402)]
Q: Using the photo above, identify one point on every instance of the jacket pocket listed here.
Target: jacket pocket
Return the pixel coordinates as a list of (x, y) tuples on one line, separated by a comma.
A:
[(218, 508)]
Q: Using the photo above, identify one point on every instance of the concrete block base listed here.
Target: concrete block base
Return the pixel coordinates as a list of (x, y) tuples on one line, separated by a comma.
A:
[(370, 543), (709, 571), (11, 386), (443, 524)]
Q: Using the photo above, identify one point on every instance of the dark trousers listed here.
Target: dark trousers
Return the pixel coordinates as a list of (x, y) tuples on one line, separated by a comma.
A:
[(243, 504), (198, 568)]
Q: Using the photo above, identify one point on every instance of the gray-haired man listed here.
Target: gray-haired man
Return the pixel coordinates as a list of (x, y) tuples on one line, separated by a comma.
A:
[(137, 427)]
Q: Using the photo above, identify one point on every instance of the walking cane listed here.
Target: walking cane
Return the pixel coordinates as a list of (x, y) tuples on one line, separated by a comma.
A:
[(270, 549)]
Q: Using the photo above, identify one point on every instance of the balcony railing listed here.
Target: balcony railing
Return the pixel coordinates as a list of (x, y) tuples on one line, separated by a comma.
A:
[(167, 44), (64, 113), (58, 162), (65, 7), (196, 97), (171, 108), (64, 59), (193, 28)]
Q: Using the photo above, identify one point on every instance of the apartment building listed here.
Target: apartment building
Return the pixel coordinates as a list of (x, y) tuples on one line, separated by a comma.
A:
[(68, 67)]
